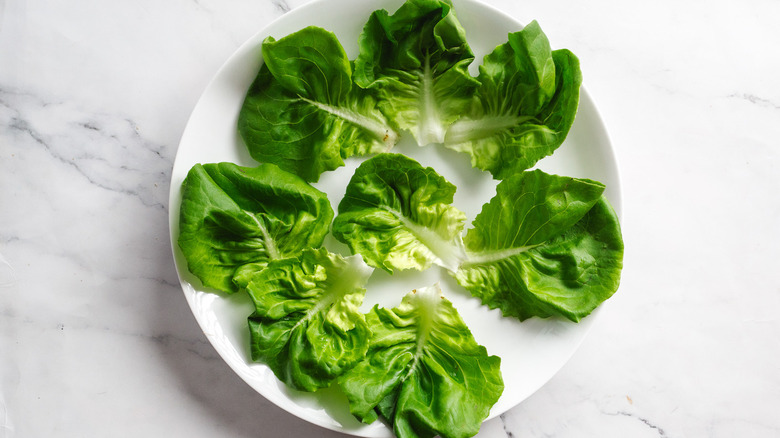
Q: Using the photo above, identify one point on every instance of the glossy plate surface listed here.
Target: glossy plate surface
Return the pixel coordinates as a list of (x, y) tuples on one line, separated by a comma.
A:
[(531, 352)]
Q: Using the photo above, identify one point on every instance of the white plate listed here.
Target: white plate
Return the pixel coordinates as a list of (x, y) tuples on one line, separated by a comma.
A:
[(531, 352)]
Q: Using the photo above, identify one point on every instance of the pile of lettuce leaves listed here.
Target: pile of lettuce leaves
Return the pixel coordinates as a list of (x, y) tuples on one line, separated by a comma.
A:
[(544, 246)]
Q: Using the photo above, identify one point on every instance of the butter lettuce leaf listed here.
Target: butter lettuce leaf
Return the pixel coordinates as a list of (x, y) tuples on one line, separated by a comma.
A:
[(303, 111), (544, 245), (424, 372), (232, 217), (307, 325), (416, 63), (524, 107), (398, 215)]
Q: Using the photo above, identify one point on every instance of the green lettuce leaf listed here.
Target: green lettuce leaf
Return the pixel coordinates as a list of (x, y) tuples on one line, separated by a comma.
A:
[(523, 109), (416, 62), (233, 217), (397, 215), (544, 245), (424, 372), (307, 325), (303, 112)]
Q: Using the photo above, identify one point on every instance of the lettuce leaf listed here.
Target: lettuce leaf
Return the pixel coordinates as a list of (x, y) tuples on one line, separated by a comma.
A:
[(303, 112), (397, 215), (307, 326), (416, 63), (544, 245), (424, 372), (233, 217), (524, 107)]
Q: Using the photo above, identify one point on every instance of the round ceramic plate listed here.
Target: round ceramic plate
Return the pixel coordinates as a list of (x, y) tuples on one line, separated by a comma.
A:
[(531, 352)]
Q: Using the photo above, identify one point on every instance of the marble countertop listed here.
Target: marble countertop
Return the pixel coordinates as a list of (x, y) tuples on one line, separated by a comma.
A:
[(96, 338)]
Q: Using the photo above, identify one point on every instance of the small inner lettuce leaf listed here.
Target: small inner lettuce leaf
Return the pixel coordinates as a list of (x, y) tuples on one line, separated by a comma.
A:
[(544, 245), (307, 325), (416, 62), (232, 217), (303, 111), (398, 215), (424, 372), (524, 107)]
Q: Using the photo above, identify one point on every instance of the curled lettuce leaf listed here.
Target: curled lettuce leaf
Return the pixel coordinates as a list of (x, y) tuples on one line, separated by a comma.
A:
[(307, 326), (424, 372), (233, 217), (524, 107), (303, 112), (416, 62), (398, 215), (544, 245)]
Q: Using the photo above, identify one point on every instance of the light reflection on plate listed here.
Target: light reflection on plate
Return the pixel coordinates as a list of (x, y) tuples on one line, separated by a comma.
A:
[(531, 352)]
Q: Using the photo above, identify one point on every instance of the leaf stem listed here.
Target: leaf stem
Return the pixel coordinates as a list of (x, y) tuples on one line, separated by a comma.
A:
[(427, 300), (381, 131), (485, 257), (449, 254), (269, 243), (430, 129), (468, 129)]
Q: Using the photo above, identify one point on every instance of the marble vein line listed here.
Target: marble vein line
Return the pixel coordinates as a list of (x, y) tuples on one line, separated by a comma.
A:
[(80, 260), (281, 5), (139, 276), (8, 239), (509, 433), (93, 138), (645, 421), (200, 347), (752, 98), (21, 125)]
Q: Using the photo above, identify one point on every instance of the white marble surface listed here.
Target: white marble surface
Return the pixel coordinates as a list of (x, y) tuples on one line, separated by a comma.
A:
[(96, 338)]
